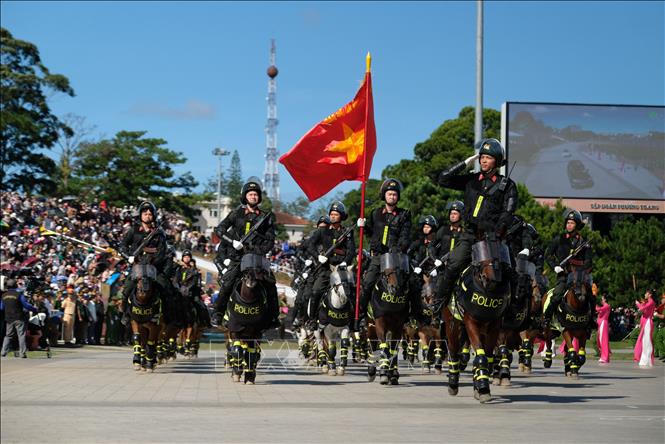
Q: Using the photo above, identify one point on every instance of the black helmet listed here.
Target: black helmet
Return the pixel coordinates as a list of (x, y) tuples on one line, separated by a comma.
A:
[(388, 185), (187, 253), (456, 205), (573, 215), (340, 208), (428, 220), (533, 231), (323, 220), (147, 205), (492, 147), (252, 184)]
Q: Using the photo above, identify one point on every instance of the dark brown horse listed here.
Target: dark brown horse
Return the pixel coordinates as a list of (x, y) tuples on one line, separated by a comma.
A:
[(573, 315), (390, 309), (482, 294), (145, 316), (248, 318)]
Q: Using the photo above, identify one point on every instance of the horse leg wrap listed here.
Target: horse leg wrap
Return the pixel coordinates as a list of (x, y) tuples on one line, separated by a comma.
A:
[(322, 357), (411, 351), (453, 374), (528, 352), (172, 347), (332, 352), (188, 347), (252, 357), (150, 354), (344, 352), (384, 360), (465, 357), (547, 360), (506, 358), (581, 356), (480, 371), (237, 357), (136, 341), (572, 360), (425, 355), (393, 359), (438, 358)]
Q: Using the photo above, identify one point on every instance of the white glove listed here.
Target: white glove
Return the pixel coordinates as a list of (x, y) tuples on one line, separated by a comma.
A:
[(469, 160), (524, 252), (438, 263), (417, 270), (433, 273), (226, 262), (342, 265), (308, 262), (361, 222), (225, 270), (237, 245), (305, 275), (322, 259), (558, 269), (130, 259)]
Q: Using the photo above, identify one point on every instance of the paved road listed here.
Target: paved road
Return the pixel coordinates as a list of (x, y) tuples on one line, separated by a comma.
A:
[(92, 395)]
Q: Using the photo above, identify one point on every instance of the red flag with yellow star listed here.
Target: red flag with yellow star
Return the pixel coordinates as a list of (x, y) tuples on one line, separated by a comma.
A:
[(340, 147)]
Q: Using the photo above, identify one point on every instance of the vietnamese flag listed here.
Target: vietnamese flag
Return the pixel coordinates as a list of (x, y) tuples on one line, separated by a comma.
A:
[(340, 147)]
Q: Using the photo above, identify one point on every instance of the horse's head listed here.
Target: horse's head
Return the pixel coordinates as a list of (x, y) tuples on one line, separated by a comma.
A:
[(428, 291), (491, 262), (579, 287), (146, 278), (254, 268), (393, 271), (341, 284)]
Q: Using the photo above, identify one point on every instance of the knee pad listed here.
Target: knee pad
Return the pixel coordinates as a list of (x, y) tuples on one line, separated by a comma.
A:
[(346, 343), (136, 338)]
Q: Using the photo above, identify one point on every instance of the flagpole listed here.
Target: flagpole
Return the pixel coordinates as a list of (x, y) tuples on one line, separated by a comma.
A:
[(368, 78)]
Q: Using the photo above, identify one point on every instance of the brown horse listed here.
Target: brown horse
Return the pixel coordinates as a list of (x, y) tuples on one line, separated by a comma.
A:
[(428, 336), (573, 315), (145, 316), (522, 313), (390, 308), (482, 295), (248, 318)]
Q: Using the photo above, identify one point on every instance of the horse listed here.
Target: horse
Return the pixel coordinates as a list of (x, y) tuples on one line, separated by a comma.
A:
[(573, 315), (482, 293), (432, 347), (390, 309), (334, 317), (145, 316), (248, 317), (522, 313)]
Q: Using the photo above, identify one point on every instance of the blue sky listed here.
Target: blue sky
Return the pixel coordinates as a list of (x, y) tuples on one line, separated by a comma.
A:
[(194, 73)]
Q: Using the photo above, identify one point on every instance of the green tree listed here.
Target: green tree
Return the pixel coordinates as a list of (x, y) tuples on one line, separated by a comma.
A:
[(299, 207), (69, 142), (235, 182), (27, 125), (130, 167)]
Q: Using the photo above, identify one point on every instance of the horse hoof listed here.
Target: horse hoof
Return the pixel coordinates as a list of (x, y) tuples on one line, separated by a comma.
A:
[(452, 391), (137, 367), (384, 380), (332, 372), (236, 378), (341, 371), (496, 381), (394, 380), (505, 382), (438, 371), (324, 369), (521, 367), (547, 364), (485, 397), (151, 370), (574, 376), (527, 370), (476, 395), (249, 382)]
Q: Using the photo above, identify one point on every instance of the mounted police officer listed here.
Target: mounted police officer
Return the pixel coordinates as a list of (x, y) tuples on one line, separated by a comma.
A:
[(155, 252), (561, 246), (239, 222), (389, 229), (424, 247), (305, 278), (490, 200), (449, 235), (342, 254)]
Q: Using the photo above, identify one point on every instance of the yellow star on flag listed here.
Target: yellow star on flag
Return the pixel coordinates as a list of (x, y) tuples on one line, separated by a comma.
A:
[(352, 144)]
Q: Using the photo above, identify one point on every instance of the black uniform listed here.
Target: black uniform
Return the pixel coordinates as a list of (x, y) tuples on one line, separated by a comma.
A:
[(489, 204), (187, 281), (154, 253), (321, 240), (238, 223), (302, 284), (425, 246), (561, 246), (447, 238)]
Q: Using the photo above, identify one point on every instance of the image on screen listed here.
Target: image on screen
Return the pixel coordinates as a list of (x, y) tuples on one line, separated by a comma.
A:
[(587, 151)]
